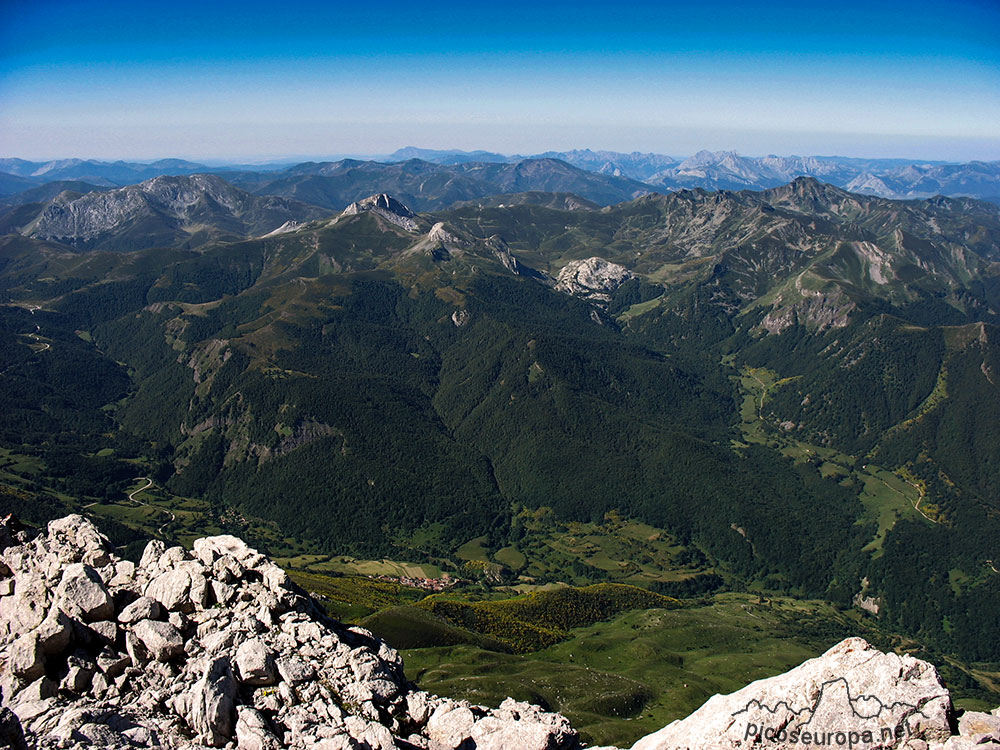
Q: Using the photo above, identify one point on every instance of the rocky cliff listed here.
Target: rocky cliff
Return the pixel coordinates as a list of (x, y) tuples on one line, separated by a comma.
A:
[(216, 647)]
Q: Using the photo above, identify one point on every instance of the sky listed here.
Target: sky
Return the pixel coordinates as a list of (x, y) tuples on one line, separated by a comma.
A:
[(254, 81)]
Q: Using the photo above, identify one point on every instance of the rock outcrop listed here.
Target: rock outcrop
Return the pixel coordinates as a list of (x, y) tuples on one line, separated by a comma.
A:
[(213, 647), (388, 208), (853, 690), (593, 279), (216, 647)]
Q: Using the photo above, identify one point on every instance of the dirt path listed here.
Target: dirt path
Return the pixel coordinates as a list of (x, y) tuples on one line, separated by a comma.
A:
[(915, 503), (763, 394)]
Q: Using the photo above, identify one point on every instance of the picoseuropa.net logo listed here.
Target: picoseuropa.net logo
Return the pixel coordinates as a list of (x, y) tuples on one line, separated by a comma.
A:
[(835, 719)]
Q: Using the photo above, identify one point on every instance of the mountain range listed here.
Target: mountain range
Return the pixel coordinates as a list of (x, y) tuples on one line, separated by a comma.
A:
[(161, 211), (727, 170), (799, 383), (430, 180)]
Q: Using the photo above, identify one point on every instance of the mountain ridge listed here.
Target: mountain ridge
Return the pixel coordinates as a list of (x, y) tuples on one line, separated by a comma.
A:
[(891, 178)]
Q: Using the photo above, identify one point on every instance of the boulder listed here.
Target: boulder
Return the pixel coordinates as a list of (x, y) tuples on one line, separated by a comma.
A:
[(252, 731), (74, 539), (255, 663), (81, 589), (209, 707), (11, 733), (150, 560), (55, 632), (980, 727), (161, 639), (26, 658), (143, 608), (450, 726), (28, 606), (172, 589), (294, 670), (523, 726)]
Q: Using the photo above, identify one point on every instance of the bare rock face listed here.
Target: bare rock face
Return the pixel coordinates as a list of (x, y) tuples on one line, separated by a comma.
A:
[(871, 699), (388, 208), (593, 279)]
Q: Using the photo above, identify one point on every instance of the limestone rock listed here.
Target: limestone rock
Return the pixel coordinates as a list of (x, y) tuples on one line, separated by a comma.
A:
[(210, 706), (149, 562), (267, 670), (853, 687), (593, 279), (180, 589), (160, 639), (55, 632), (451, 725), (28, 606), (524, 726), (980, 727), (82, 588), (26, 658), (255, 663), (11, 733), (388, 208), (253, 733), (143, 608)]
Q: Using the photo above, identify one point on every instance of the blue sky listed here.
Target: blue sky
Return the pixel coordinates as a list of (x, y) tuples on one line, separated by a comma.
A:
[(250, 80)]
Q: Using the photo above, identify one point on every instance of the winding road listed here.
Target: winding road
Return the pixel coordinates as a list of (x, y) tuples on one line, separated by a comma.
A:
[(35, 336), (134, 499)]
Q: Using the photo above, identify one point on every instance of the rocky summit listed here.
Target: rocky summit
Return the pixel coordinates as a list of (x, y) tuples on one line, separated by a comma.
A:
[(216, 647), (212, 647)]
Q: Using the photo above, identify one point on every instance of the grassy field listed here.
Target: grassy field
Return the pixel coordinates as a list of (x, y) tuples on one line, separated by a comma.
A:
[(346, 565), (617, 550), (624, 678)]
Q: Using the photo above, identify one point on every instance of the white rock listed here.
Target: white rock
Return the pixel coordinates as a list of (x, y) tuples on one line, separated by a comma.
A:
[(853, 687), (209, 707), (255, 663), (252, 732), (81, 588), (294, 670), (143, 608), (450, 726), (593, 279), (28, 606), (178, 590), (161, 639), (150, 561), (981, 727), (55, 632)]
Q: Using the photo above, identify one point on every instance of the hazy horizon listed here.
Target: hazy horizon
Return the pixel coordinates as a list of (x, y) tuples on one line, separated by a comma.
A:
[(236, 81), (291, 159)]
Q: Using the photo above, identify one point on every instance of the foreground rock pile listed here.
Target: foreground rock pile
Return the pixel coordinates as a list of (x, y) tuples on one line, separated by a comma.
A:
[(217, 648), (209, 648)]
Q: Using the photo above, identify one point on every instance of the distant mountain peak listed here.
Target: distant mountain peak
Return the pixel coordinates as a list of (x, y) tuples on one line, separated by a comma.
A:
[(382, 201), (387, 207)]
